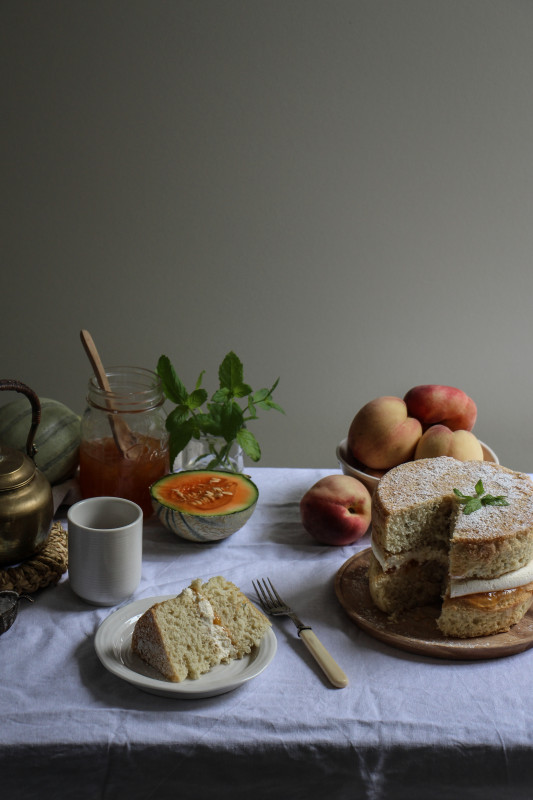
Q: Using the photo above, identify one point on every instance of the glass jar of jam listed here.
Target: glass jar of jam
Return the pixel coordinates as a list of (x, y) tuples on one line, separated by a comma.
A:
[(124, 442)]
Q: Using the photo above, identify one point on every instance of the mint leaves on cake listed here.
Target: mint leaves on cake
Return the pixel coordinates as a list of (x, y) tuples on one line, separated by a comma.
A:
[(473, 503)]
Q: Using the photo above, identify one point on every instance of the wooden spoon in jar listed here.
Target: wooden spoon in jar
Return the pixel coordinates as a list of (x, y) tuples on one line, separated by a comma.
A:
[(124, 438)]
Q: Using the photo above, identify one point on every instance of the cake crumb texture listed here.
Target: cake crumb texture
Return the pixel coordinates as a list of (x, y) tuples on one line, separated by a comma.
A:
[(205, 625)]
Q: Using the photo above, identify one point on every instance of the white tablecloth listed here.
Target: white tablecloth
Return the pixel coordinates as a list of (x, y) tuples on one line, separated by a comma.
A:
[(407, 726)]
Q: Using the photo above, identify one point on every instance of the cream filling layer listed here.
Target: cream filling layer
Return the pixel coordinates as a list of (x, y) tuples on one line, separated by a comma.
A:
[(458, 587), (221, 640), (511, 580)]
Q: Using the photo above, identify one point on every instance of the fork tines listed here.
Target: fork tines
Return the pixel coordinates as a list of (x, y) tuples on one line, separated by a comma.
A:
[(267, 594)]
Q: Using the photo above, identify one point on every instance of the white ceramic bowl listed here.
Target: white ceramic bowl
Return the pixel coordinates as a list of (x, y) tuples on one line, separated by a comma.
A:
[(370, 477)]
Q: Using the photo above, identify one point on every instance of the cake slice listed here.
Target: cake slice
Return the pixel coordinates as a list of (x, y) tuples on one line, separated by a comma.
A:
[(205, 625)]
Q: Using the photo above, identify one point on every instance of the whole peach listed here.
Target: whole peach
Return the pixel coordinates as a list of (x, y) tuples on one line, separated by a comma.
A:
[(336, 510), (382, 434), (439, 440), (433, 404)]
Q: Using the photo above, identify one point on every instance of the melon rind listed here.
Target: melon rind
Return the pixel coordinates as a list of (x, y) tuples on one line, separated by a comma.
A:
[(198, 527), (57, 438)]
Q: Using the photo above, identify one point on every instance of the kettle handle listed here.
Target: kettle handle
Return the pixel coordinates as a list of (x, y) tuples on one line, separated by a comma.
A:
[(18, 386)]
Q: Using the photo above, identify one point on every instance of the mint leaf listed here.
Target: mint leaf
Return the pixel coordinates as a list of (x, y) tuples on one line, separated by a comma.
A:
[(221, 396), (267, 404), (242, 390), (490, 500), (473, 503), (180, 436), (209, 424), (249, 444), (196, 399), (230, 372), (251, 409), (231, 421), (260, 395), (172, 386), (176, 417), (263, 399)]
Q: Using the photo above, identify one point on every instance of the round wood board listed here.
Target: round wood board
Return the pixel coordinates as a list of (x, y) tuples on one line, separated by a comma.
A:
[(416, 630)]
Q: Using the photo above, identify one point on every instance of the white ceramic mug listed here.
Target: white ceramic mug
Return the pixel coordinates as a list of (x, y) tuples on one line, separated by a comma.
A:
[(105, 549)]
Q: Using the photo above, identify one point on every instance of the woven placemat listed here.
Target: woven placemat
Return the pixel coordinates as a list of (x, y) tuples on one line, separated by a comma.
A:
[(42, 569)]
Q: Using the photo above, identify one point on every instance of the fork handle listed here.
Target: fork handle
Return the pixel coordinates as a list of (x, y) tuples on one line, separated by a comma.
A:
[(323, 658)]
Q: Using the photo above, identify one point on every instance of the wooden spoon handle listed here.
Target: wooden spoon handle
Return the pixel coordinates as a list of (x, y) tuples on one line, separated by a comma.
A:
[(123, 436), (96, 362), (326, 661)]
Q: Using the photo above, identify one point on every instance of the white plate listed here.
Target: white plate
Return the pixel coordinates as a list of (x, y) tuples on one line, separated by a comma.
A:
[(113, 647)]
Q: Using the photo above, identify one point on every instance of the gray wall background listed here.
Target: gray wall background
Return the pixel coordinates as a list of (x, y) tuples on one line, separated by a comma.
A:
[(338, 190)]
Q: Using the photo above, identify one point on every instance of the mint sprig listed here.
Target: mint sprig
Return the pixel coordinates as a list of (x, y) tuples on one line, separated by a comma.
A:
[(220, 415), (473, 503)]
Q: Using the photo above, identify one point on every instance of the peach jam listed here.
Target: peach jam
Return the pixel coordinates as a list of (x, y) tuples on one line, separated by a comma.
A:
[(107, 466)]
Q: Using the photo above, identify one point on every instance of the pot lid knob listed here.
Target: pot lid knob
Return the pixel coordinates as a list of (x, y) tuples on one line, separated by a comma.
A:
[(16, 469)]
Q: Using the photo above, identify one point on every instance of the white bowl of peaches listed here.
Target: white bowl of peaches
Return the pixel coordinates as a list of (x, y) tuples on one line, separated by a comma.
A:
[(430, 421)]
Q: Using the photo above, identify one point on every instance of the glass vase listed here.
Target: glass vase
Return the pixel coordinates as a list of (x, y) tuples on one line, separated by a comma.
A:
[(210, 452)]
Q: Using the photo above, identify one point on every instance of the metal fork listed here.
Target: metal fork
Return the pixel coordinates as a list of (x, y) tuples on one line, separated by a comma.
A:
[(273, 604)]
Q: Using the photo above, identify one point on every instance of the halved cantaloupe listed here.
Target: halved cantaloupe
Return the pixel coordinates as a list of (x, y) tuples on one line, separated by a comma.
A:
[(204, 505)]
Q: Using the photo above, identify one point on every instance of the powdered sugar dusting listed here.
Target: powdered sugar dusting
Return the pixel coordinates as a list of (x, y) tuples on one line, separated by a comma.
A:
[(425, 480)]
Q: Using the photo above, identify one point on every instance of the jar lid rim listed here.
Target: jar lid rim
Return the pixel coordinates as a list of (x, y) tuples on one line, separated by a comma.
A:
[(131, 389)]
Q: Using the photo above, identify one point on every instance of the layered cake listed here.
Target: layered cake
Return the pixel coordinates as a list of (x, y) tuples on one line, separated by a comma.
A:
[(460, 532), (205, 625)]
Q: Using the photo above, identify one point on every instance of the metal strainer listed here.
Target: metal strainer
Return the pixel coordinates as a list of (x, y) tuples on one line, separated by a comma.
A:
[(9, 604)]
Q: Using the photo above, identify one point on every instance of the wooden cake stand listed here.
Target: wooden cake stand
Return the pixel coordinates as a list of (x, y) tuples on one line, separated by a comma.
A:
[(416, 630)]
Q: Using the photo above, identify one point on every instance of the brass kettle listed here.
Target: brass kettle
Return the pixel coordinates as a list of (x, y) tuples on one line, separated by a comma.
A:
[(26, 502)]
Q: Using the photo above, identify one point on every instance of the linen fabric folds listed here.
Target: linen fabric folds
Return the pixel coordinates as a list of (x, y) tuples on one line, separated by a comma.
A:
[(407, 726)]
